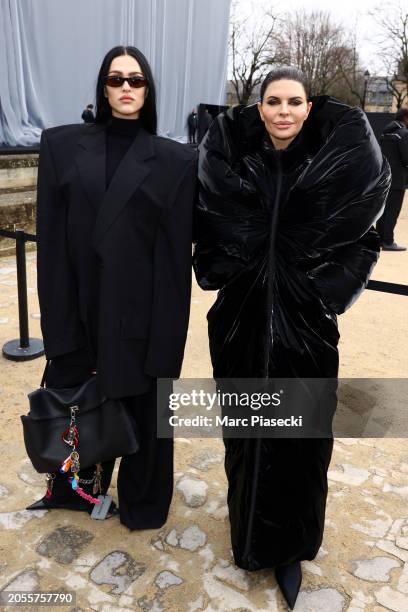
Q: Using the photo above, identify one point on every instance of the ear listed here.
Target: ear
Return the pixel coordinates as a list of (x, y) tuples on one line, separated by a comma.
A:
[(105, 92), (309, 106), (259, 105)]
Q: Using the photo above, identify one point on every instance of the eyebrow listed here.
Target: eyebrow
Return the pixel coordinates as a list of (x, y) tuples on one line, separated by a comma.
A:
[(292, 98)]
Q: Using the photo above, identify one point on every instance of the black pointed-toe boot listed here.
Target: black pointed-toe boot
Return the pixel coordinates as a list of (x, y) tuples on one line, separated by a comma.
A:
[(289, 579)]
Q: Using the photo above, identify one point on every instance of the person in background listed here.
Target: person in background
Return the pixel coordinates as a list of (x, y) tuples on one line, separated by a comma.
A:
[(394, 145), (88, 116), (192, 124), (204, 121), (207, 120)]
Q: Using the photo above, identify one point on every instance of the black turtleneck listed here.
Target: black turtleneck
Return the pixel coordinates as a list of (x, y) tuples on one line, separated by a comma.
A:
[(120, 134)]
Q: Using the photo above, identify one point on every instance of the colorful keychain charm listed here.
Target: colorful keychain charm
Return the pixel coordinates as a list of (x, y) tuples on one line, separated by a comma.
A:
[(71, 437)]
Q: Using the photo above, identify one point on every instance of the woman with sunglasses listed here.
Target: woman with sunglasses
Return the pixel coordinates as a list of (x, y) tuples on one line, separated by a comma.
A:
[(289, 191), (114, 217)]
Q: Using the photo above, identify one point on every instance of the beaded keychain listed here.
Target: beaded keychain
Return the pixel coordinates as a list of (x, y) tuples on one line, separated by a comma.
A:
[(71, 437)]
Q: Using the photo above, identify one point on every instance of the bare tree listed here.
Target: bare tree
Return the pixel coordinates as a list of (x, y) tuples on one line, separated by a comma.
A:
[(392, 18), (351, 86), (251, 48), (312, 41), (317, 45)]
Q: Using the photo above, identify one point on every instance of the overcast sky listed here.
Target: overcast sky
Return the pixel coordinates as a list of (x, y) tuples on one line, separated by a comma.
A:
[(351, 13)]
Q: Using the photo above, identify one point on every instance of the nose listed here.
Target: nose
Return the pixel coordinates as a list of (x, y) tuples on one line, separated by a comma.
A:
[(284, 109), (125, 86)]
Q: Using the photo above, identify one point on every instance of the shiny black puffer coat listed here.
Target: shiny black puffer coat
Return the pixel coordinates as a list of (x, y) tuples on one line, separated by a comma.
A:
[(286, 237)]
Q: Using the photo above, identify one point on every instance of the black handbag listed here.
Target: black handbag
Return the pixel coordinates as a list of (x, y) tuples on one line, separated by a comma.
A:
[(76, 428)]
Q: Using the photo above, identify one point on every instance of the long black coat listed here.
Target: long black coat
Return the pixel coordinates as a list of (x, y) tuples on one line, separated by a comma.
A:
[(394, 145), (114, 266), (286, 236)]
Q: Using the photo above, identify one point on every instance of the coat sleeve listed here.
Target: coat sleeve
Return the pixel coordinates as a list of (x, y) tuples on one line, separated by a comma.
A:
[(345, 267), (340, 280), (172, 281), (229, 226), (60, 323)]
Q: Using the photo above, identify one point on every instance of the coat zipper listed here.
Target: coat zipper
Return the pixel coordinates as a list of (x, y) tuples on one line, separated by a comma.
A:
[(271, 274)]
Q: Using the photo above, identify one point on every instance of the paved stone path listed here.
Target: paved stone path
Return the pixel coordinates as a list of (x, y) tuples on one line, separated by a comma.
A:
[(187, 565)]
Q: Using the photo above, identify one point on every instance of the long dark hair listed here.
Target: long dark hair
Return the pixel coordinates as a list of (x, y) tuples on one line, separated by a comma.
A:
[(148, 113), (284, 72)]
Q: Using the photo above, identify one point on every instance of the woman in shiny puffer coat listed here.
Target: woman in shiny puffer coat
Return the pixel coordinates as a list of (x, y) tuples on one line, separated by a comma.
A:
[(289, 192)]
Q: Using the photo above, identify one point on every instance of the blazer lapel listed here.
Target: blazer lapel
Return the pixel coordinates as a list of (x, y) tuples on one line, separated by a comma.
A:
[(91, 163), (129, 175)]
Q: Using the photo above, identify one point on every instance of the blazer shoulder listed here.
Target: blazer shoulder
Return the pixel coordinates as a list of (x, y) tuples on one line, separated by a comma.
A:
[(60, 133), (176, 150)]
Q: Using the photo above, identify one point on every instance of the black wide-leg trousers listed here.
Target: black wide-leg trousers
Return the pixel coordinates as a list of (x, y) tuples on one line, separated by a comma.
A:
[(387, 222), (145, 479)]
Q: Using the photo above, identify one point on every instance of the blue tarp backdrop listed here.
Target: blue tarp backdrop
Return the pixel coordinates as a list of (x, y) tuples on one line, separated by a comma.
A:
[(51, 50)]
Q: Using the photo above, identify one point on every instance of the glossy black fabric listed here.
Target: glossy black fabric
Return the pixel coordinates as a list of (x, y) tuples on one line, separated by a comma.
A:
[(114, 265), (287, 239)]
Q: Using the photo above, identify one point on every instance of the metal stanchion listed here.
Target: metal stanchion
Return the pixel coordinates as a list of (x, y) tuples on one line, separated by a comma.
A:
[(24, 348)]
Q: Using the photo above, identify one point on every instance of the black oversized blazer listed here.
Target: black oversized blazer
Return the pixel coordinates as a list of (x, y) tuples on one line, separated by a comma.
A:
[(114, 266)]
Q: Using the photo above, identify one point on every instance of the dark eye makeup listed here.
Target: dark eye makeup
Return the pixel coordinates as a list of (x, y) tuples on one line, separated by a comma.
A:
[(295, 101)]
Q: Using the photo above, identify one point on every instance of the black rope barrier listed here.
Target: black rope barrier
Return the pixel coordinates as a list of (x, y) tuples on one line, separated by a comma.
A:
[(388, 287), (10, 234), (26, 348)]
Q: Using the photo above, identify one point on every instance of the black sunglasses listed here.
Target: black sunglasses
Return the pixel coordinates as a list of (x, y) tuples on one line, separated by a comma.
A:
[(114, 80)]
